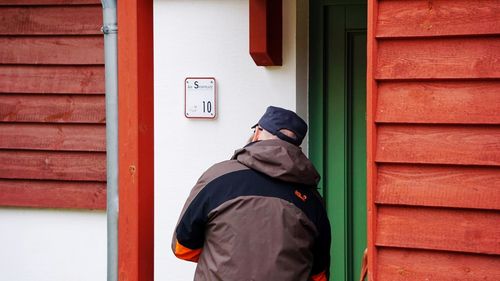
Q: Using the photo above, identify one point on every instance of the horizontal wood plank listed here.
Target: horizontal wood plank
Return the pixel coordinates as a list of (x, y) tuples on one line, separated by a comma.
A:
[(52, 50), (46, 20), (418, 265), (52, 79), (58, 137), (53, 194), (52, 165), (443, 58), (48, 2), (439, 186), (439, 144), (472, 102), (406, 18), (52, 108), (474, 231)]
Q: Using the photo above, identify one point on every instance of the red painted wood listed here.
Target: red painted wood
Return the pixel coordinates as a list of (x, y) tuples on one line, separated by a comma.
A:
[(52, 50), (404, 18), (471, 102), (43, 33), (474, 231), (371, 138), (443, 186), (464, 145), (53, 194), (439, 58), (51, 165), (52, 79), (266, 35), (38, 20), (53, 137), (52, 108), (418, 265), (48, 2), (446, 60), (136, 141)]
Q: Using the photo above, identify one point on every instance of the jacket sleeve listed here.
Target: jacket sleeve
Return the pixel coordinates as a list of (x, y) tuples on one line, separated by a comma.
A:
[(189, 234), (188, 238), (321, 251)]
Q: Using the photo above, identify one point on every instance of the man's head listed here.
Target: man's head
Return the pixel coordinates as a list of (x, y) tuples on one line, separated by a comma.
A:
[(280, 123)]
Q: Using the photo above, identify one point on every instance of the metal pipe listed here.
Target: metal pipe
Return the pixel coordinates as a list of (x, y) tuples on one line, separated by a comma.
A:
[(110, 29)]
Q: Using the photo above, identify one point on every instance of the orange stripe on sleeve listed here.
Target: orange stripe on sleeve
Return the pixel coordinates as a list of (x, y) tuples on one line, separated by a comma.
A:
[(185, 253), (319, 277)]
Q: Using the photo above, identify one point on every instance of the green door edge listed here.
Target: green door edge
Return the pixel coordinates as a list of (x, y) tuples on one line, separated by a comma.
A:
[(344, 264)]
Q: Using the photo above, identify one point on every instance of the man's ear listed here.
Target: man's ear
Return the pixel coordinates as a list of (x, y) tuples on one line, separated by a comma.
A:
[(256, 135)]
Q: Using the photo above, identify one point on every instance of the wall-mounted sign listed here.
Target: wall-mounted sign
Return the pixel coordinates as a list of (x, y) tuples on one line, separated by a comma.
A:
[(200, 97)]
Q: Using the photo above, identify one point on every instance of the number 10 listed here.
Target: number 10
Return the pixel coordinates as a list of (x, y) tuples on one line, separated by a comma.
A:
[(207, 106)]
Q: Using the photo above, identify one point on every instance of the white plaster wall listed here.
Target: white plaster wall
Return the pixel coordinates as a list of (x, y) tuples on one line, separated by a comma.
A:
[(52, 245), (196, 38)]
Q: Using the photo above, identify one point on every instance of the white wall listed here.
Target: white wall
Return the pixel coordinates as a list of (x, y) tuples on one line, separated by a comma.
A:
[(192, 38), (52, 245), (196, 38)]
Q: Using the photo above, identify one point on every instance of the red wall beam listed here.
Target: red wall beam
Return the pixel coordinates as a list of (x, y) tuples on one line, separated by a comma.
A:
[(135, 119), (371, 136), (266, 34)]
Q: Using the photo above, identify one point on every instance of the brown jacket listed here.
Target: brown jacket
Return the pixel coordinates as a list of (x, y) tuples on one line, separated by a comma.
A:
[(256, 217)]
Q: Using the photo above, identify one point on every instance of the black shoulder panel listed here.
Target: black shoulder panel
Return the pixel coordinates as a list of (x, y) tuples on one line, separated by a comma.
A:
[(190, 231)]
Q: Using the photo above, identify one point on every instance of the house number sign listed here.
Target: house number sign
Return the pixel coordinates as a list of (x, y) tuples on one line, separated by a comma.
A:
[(200, 97)]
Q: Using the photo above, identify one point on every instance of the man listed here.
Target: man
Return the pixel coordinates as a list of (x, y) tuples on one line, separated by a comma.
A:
[(258, 216)]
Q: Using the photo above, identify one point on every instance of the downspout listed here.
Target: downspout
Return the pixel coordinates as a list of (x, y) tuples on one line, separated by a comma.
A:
[(110, 29)]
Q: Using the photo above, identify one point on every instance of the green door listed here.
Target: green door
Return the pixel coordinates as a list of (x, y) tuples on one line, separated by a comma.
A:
[(338, 126)]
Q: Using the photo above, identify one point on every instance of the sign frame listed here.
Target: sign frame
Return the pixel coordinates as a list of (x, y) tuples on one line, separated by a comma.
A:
[(215, 98)]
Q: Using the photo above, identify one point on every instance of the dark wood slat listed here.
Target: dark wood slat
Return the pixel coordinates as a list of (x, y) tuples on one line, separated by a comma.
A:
[(52, 79), (474, 231), (472, 102), (444, 186), (39, 20), (464, 145), (48, 2), (403, 18), (53, 194), (53, 137), (439, 58), (53, 108), (52, 50), (418, 265), (52, 165)]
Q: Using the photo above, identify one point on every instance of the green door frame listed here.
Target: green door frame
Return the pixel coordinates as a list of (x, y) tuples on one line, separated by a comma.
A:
[(340, 16)]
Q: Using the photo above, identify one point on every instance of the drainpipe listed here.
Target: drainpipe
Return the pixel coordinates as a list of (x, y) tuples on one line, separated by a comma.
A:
[(110, 29)]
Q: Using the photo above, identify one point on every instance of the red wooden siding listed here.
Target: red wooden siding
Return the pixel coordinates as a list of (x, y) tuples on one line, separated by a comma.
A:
[(397, 264), (434, 140), (52, 113)]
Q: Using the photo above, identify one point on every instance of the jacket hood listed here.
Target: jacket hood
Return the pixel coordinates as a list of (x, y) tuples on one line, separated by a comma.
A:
[(278, 159)]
